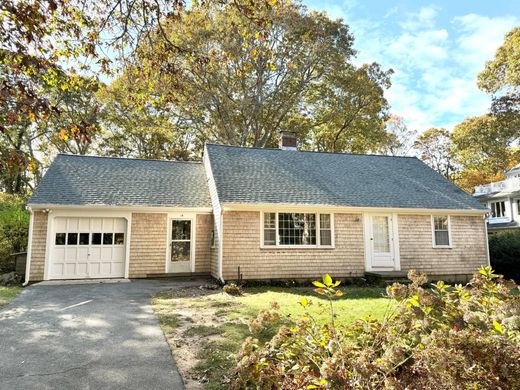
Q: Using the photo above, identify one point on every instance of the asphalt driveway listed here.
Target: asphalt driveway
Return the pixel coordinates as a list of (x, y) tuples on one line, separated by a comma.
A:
[(87, 336)]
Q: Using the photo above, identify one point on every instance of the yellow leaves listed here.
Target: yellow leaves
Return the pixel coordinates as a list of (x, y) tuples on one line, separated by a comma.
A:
[(497, 327), (272, 66), (304, 302), (414, 300)]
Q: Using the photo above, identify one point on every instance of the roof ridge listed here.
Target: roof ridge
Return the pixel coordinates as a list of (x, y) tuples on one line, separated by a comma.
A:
[(127, 158), (311, 151)]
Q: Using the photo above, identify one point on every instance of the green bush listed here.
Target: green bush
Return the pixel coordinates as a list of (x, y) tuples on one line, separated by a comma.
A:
[(446, 337), (14, 227), (504, 252)]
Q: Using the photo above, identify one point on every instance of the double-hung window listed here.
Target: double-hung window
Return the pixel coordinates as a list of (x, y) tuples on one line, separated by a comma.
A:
[(297, 229), (498, 209), (441, 231)]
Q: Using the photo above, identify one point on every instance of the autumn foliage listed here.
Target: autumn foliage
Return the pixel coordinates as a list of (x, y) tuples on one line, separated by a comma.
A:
[(449, 337)]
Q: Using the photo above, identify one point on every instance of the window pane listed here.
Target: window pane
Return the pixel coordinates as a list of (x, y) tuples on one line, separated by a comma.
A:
[(181, 230), (441, 223), (297, 228), (83, 238), (325, 221), (270, 220), (72, 239), (380, 230), (96, 238), (180, 251), (60, 238), (108, 238), (442, 238), (325, 237), (269, 237), (119, 238)]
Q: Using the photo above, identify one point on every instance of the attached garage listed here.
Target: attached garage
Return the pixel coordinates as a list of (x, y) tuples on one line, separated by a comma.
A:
[(104, 217), (86, 248)]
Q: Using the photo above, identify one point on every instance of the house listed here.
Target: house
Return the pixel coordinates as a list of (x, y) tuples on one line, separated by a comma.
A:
[(263, 213), (502, 198)]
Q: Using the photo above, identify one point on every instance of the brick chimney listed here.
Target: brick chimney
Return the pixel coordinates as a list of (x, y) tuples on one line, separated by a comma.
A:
[(288, 140)]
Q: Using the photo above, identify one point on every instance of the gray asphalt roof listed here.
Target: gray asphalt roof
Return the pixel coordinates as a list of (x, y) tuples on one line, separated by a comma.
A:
[(89, 180), (252, 175)]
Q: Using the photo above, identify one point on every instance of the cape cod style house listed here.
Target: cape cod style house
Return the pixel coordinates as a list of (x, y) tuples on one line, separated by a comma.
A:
[(266, 213), (502, 199)]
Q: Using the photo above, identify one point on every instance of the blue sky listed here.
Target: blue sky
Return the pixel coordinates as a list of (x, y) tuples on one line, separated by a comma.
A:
[(435, 48)]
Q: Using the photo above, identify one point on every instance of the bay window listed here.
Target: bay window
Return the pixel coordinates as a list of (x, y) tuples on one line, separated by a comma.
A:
[(297, 229)]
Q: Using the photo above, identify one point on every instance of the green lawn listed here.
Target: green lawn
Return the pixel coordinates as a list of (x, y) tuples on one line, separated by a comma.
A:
[(7, 294), (214, 324)]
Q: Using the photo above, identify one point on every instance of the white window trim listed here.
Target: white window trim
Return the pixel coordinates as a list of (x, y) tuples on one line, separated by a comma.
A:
[(181, 217), (318, 229), (449, 232)]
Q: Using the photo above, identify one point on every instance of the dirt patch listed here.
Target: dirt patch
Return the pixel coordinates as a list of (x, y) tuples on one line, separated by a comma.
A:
[(198, 324)]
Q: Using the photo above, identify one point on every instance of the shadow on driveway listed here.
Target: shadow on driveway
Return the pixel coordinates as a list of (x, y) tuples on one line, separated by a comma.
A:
[(86, 336)]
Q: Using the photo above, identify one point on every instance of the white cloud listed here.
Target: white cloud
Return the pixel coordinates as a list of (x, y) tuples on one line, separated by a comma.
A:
[(436, 62), (479, 37)]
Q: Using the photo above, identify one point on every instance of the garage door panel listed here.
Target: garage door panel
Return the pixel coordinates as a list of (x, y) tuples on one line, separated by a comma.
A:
[(88, 248)]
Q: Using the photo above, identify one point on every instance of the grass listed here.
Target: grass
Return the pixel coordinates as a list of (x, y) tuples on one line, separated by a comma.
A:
[(221, 321), (7, 294)]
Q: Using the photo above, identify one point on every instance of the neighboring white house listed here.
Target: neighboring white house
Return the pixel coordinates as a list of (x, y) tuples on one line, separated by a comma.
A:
[(503, 200)]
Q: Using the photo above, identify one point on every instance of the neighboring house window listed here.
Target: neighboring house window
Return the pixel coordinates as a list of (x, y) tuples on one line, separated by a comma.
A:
[(518, 206), (441, 231), (297, 229), (498, 209)]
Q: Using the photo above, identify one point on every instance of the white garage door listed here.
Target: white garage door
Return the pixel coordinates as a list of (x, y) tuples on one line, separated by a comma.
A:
[(88, 248)]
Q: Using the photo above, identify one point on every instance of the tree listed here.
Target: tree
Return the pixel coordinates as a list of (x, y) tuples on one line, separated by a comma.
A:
[(501, 78), (484, 148), (142, 132), (435, 149), (295, 73), (400, 139)]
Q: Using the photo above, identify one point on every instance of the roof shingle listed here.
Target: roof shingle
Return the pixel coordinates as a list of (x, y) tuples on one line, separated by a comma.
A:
[(89, 180), (274, 176)]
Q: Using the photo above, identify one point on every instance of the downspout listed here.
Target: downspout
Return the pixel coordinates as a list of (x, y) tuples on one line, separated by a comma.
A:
[(221, 246), (29, 248), (487, 241)]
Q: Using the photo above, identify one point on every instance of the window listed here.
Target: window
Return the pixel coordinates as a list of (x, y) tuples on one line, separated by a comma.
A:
[(325, 230), (60, 238), (441, 232), (83, 238), (297, 229), (119, 238), (96, 238), (72, 239), (270, 229), (498, 209), (108, 238)]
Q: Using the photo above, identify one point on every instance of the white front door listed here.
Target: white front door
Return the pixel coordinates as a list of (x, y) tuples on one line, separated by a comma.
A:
[(380, 242), (83, 248), (181, 251)]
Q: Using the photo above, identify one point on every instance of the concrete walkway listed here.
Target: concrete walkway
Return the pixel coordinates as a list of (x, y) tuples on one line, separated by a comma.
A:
[(86, 336)]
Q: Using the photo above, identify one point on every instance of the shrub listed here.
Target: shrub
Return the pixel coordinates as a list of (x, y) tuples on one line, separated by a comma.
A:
[(504, 251), (14, 227), (232, 289), (449, 337)]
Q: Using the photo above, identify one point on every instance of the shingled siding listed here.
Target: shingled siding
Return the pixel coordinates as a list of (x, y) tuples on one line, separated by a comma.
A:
[(468, 252), (38, 245), (241, 247), (147, 244), (203, 243)]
